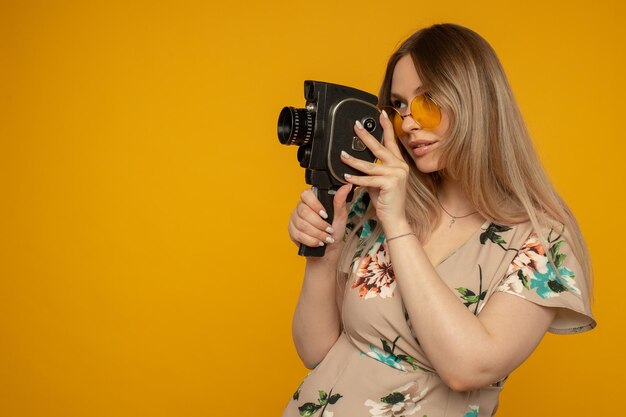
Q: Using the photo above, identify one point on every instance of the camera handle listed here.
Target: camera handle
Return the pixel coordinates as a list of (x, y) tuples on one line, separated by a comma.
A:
[(325, 197)]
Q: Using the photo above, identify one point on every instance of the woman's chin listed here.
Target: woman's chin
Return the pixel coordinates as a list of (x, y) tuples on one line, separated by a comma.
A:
[(427, 165)]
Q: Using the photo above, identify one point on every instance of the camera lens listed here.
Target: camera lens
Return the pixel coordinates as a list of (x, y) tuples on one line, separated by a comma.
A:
[(304, 156), (369, 124), (295, 126)]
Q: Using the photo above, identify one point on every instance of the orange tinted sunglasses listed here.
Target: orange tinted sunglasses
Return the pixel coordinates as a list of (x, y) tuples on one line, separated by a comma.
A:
[(423, 109)]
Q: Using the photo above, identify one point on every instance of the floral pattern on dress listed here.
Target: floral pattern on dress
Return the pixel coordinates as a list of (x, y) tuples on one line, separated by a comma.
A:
[(374, 274), (296, 395), (404, 401), (388, 357), (493, 234), (310, 408), (357, 211), (532, 269), (385, 357), (470, 297), (473, 411)]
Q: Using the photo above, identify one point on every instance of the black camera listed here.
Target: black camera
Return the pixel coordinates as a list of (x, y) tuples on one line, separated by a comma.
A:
[(323, 129)]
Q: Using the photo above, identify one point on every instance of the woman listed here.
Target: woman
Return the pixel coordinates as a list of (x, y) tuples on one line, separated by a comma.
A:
[(457, 253)]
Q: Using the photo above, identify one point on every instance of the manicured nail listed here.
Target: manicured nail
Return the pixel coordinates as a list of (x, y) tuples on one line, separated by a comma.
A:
[(347, 176), (330, 240), (323, 214), (321, 243), (330, 230), (358, 125), (385, 115), (345, 154)]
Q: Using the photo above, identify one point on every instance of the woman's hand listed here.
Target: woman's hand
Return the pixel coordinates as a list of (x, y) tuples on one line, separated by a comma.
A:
[(385, 181), (308, 226)]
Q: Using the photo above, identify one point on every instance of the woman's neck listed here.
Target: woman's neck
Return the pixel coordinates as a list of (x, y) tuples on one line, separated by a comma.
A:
[(453, 198)]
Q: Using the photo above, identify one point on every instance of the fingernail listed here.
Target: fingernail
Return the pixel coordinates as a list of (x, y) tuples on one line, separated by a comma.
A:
[(330, 240), (323, 214), (358, 125), (385, 115), (347, 176), (345, 154), (330, 230), (321, 243)]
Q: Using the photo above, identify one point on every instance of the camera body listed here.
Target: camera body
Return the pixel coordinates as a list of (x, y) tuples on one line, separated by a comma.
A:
[(322, 130)]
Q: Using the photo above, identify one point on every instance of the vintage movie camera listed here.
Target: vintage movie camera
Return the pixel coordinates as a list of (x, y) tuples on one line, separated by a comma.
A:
[(324, 128)]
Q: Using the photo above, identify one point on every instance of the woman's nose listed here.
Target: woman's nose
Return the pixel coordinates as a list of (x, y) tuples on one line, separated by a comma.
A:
[(409, 123)]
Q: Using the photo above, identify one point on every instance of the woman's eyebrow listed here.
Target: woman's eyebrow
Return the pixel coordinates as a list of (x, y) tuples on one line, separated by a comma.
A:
[(396, 96)]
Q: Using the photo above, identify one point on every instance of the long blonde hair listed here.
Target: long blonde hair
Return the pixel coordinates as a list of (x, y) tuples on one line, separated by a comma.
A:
[(488, 148)]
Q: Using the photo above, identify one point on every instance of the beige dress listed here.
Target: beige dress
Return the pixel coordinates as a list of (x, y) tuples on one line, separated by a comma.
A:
[(377, 367)]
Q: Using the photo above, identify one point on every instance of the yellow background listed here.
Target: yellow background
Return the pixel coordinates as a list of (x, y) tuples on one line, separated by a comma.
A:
[(145, 268)]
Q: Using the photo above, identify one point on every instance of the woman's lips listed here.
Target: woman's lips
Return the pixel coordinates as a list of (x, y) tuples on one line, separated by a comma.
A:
[(421, 149)]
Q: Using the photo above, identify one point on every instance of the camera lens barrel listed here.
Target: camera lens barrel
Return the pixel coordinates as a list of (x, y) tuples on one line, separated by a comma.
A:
[(295, 126)]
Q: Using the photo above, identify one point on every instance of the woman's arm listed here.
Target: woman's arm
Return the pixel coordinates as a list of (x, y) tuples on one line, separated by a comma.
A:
[(316, 322), (467, 351)]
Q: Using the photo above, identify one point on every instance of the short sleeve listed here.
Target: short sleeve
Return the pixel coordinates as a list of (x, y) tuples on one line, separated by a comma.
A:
[(560, 284)]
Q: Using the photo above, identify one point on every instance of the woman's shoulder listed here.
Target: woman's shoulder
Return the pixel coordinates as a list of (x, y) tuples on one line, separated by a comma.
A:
[(546, 271), (517, 234), (505, 235)]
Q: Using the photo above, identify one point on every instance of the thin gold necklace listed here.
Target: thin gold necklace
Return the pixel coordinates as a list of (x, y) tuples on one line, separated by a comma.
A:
[(453, 218)]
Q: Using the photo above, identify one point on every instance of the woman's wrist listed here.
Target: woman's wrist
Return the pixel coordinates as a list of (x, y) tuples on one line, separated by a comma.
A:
[(330, 258), (397, 228)]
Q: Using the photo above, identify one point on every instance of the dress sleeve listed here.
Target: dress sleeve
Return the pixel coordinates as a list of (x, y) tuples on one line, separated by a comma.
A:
[(560, 284)]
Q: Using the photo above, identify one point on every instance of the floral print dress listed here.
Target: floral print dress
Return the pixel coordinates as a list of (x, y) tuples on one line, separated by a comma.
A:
[(377, 367)]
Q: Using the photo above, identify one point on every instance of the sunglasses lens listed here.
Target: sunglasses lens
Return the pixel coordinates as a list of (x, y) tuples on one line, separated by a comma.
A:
[(425, 112)]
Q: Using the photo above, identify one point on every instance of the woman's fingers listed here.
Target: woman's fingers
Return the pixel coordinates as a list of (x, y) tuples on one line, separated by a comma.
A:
[(339, 208), (392, 171), (379, 150), (378, 182), (386, 181), (389, 136), (311, 200), (365, 167), (370, 168), (306, 234), (307, 225)]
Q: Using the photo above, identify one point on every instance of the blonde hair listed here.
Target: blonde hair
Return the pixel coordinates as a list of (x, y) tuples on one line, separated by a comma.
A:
[(488, 148)]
